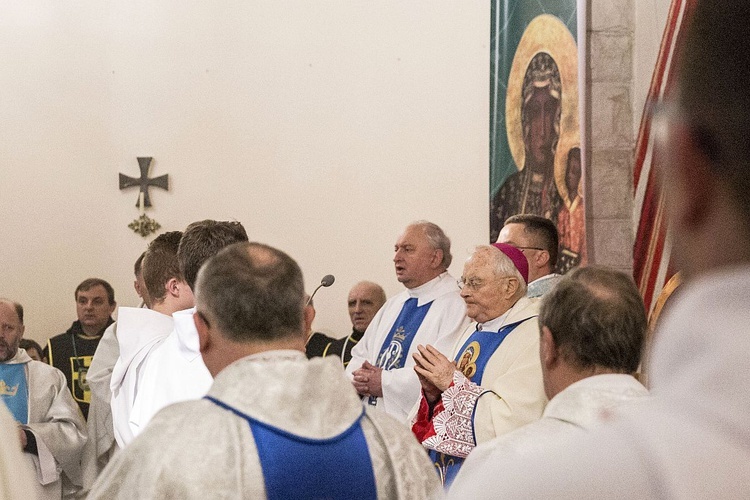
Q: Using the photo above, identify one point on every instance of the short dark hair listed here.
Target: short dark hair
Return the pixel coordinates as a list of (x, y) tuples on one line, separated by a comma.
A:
[(253, 292), (542, 228), (138, 263), (18, 307), (160, 264), (27, 344), (202, 240), (714, 64), (597, 318), (90, 283)]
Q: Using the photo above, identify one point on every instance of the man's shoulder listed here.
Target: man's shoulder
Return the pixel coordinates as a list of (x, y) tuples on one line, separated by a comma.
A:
[(41, 369)]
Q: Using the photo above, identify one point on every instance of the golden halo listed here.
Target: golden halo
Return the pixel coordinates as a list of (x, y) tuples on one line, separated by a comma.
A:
[(545, 33), (564, 145)]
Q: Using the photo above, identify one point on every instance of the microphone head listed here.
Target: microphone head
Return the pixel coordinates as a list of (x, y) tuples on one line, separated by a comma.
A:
[(327, 280)]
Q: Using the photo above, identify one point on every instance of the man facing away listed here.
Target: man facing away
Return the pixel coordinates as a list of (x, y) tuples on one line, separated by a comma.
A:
[(274, 424), (691, 439), (71, 352), (537, 238), (50, 426), (493, 383), (429, 311), (140, 329), (173, 370), (364, 301), (593, 324)]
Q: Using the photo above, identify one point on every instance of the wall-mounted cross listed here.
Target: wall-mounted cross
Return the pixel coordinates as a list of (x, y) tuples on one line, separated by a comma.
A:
[(144, 182)]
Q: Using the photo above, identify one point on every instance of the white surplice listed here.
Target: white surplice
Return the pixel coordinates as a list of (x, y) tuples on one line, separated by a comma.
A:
[(445, 320), (574, 411), (173, 371), (58, 426), (690, 439), (139, 331), (199, 450)]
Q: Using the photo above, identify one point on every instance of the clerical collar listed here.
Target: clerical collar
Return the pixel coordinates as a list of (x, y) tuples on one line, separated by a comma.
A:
[(436, 287), (494, 325)]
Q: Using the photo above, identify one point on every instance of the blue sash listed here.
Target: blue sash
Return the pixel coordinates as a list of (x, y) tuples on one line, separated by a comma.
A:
[(304, 468), (471, 360), (14, 391), (397, 343)]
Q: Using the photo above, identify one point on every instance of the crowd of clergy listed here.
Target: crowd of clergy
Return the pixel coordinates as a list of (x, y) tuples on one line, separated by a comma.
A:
[(509, 381)]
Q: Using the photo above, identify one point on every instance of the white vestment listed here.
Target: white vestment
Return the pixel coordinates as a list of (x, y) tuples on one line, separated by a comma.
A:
[(443, 323), (572, 412), (58, 426), (16, 480), (139, 330), (199, 450), (101, 444), (511, 392), (173, 371), (690, 439)]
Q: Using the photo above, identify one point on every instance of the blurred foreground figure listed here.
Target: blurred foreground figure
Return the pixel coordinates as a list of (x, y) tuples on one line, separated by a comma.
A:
[(692, 439)]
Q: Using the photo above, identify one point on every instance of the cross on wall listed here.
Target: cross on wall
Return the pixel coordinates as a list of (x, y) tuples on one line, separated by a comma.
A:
[(144, 181)]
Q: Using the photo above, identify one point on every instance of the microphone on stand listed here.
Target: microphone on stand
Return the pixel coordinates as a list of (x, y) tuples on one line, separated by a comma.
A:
[(327, 281)]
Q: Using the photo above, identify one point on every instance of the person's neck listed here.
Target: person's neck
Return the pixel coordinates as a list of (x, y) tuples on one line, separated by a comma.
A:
[(168, 307), (567, 375), (231, 351), (414, 287), (91, 331), (540, 274)]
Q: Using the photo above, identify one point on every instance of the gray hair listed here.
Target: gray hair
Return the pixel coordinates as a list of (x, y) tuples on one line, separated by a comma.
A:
[(597, 318), (252, 292), (437, 239), (504, 267)]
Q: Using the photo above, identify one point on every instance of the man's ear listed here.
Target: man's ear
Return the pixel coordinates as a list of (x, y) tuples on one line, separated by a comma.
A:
[(204, 337), (511, 287), (112, 308), (308, 317), (437, 259), (547, 348), (542, 258), (172, 287)]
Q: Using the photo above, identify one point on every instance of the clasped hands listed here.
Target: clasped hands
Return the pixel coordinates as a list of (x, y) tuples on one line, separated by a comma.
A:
[(434, 370), (368, 380)]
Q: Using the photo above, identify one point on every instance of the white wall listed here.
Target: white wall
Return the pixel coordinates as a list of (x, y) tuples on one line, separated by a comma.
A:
[(324, 127)]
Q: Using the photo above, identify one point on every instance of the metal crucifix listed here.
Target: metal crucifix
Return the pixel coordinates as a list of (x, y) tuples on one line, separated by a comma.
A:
[(144, 182)]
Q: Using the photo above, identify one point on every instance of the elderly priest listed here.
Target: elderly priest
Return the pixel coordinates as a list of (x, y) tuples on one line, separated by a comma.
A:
[(495, 383), (273, 424)]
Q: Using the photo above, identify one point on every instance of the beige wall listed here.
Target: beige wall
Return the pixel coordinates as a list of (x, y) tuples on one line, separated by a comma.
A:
[(324, 127)]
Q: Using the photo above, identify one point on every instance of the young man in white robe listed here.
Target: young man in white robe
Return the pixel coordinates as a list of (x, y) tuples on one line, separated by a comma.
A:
[(274, 424), (691, 439), (50, 425), (172, 370), (429, 311), (593, 327), (492, 384), (139, 330)]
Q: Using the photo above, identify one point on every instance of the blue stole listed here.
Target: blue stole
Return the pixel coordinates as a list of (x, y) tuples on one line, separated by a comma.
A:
[(396, 345), (14, 391), (297, 467), (471, 360)]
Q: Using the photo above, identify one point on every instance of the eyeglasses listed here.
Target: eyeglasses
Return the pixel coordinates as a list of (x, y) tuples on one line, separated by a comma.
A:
[(475, 283), (531, 248)]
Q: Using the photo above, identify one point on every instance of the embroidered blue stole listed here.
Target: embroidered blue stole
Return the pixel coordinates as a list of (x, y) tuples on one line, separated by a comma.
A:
[(396, 346), (471, 360), (297, 467), (14, 391)]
